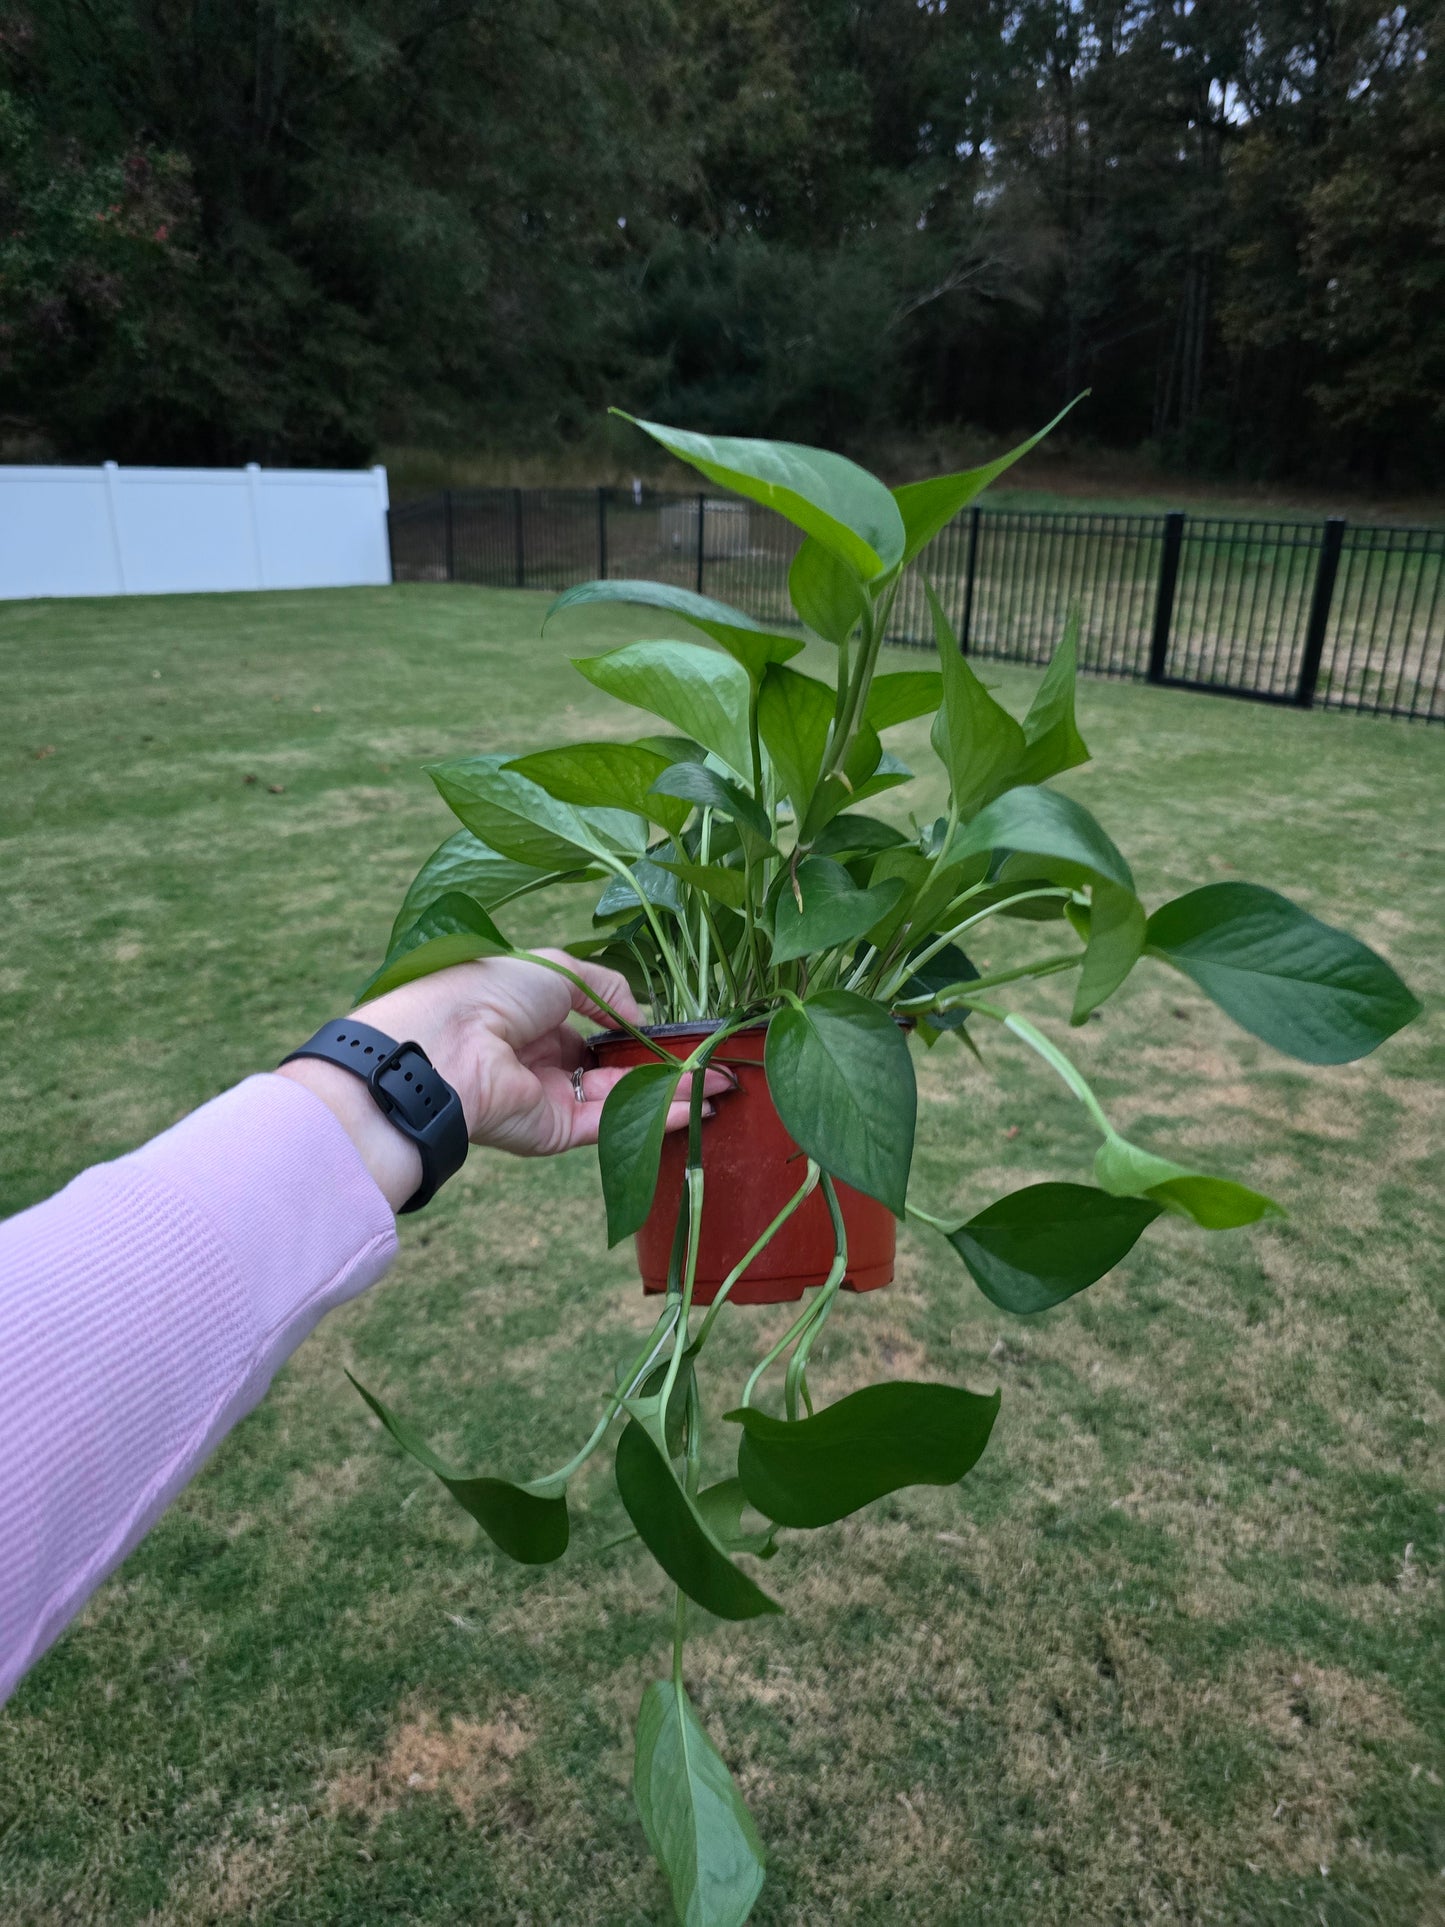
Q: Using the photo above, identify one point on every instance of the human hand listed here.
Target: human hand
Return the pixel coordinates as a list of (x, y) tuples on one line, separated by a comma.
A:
[(498, 1033)]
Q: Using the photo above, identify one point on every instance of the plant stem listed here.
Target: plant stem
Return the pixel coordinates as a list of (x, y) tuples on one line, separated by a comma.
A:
[(1054, 1058), (550, 963), (704, 935), (797, 1374), (911, 966), (805, 1190), (1045, 967)]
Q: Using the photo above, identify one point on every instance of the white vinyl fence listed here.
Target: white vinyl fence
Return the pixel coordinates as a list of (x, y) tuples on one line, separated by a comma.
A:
[(177, 531)]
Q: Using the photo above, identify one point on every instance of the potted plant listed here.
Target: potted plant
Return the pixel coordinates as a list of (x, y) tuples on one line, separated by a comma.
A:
[(774, 925)]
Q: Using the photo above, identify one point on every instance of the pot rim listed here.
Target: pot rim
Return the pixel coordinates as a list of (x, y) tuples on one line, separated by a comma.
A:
[(704, 1027)]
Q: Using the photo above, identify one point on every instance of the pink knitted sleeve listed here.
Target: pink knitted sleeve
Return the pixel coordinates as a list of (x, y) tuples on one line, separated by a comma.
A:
[(143, 1311)]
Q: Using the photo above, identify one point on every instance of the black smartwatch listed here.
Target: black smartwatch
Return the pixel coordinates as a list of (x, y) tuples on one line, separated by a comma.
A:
[(410, 1092)]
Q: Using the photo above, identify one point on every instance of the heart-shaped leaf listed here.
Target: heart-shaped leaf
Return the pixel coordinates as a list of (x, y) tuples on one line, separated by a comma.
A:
[(848, 510), (827, 909), (1043, 823), (527, 1522), (928, 506), (795, 713), (1217, 1204), (826, 592), (697, 690), (1038, 1246), (486, 876), (853, 834), (715, 880), (888, 773), (816, 1470), (615, 776), (946, 969), (1312, 991), (701, 1834), (698, 784), (899, 698), (450, 931), (841, 1077), (668, 1524), (1052, 735), (518, 817), (644, 878), (721, 1507), (745, 640), (977, 741), (629, 1143), (1113, 929)]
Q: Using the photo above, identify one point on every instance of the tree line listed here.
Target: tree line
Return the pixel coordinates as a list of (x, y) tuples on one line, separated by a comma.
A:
[(290, 230)]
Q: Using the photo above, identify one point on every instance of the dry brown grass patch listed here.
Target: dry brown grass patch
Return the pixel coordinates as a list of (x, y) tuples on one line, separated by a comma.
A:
[(468, 1761)]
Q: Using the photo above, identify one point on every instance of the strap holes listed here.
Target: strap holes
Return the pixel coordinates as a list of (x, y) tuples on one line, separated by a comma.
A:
[(369, 1052), (408, 1079)]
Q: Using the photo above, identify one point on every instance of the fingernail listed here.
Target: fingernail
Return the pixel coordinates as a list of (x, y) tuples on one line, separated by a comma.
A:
[(709, 1109)]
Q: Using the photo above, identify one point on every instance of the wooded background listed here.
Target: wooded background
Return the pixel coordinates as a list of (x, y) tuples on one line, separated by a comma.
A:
[(291, 230)]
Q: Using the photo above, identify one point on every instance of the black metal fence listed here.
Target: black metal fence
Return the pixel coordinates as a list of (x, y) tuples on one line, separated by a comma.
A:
[(1328, 614)]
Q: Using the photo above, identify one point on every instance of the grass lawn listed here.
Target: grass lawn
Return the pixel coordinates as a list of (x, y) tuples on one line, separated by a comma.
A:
[(1172, 1653)]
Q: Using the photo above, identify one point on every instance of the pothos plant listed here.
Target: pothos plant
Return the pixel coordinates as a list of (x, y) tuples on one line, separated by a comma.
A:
[(744, 883)]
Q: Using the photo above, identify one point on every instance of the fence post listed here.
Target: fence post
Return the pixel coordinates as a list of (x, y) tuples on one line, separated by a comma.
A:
[(701, 537), (602, 534), (970, 572), (1164, 601), (1319, 619), (517, 532), (451, 540)]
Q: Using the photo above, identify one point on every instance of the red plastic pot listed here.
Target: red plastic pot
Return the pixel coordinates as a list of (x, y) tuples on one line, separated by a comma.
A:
[(751, 1167)]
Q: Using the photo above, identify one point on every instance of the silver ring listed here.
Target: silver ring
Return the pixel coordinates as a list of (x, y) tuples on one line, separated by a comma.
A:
[(577, 1090)]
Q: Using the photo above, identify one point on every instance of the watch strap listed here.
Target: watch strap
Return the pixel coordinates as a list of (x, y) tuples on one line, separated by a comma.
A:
[(409, 1091)]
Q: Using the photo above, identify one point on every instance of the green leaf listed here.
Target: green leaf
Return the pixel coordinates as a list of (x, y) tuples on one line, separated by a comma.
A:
[(700, 1833), (1217, 1204), (815, 1470), (1308, 989), (486, 876), (615, 776), (1038, 1246), (644, 878), (977, 741), (518, 817), (928, 506), (745, 640), (527, 1522), (715, 879), (848, 510), (899, 698), (794, 715), (450, 931), (1114, 934), (949, 968), (1054, 742), (721, 1508), (698, 691), (889, 772), (703, 786), (668, 1524), (841, 1077), (834, 910), (826, 592), (1047, 824), (629, 1143), (853, 834)]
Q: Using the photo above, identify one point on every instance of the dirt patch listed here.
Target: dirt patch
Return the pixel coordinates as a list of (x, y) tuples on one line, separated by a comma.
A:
[(467, 1761)]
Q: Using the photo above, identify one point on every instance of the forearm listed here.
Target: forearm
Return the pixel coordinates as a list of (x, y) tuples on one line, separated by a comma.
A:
[(144, 1310)]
